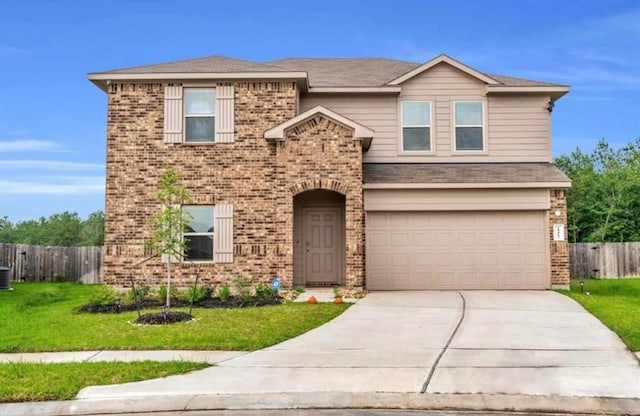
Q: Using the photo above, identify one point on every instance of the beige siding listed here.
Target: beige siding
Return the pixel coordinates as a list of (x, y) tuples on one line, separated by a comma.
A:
[(517, 126), (455, 199)]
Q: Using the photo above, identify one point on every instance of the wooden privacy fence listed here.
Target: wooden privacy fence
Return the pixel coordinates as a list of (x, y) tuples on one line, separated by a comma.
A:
[(604, 260), (43, 263), (85, 264)]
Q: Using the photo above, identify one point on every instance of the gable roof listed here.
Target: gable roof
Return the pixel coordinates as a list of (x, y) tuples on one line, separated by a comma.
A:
[(359, 131), (377, 74), (447, 60)]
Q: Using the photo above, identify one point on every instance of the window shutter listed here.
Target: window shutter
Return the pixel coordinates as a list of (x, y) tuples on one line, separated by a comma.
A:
[(223, 245), (224, 114), (172, 114)]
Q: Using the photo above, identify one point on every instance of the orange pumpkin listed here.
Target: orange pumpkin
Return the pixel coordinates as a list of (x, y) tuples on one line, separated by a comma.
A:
[(313, 300), (337, 300)]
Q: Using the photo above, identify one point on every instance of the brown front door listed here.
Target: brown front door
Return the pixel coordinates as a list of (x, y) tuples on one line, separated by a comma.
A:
[(321, 245)]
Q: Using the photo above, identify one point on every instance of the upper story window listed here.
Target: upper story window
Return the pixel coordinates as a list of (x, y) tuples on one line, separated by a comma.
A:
[(199, 114), (469, 125), (198, 235), (416, 126)]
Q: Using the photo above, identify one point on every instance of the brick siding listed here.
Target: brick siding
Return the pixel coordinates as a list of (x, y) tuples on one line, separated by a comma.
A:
[(559, 250)]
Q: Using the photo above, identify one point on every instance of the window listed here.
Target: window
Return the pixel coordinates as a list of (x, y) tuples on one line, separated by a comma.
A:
[(199, 114), (416, 126), (198, 235), (469, 125)]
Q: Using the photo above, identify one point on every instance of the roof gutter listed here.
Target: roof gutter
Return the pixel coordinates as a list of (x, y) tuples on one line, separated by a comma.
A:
[(555, 91), (356, 90), (466, 185), (102, 79)]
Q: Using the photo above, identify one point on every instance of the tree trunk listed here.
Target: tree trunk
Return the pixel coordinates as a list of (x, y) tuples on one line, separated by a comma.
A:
[(168, 302)]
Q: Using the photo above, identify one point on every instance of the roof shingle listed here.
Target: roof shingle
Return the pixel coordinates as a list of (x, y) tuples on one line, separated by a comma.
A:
[(209, 64), (322, 72), (461, 173)]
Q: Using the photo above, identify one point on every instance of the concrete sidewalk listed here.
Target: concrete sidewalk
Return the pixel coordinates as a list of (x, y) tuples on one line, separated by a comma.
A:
[(211, 357)]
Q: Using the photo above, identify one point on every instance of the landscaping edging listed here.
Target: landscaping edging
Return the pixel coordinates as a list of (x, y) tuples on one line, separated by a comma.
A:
[(232, 302)]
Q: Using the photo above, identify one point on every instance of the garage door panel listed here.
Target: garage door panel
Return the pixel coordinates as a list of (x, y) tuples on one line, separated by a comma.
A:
[(377, 239), (400, 259), (378, 260), (422, 239), (399, 239), (467, 259), (400, 221), (456, 250), (467, 238)]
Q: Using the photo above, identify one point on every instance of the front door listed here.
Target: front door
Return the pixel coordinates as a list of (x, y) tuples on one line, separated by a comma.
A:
[(321, 244)]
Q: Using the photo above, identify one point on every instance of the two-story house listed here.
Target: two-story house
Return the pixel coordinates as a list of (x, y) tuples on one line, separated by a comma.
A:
[(360, 172)]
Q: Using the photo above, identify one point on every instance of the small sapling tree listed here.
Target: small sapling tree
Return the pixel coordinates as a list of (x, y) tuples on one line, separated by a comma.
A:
[(169, 222)]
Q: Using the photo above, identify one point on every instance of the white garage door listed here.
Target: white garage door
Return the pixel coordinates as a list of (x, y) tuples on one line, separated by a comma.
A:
[(456, 250)]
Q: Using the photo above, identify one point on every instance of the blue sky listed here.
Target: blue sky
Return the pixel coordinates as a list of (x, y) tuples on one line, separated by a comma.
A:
[(53, 121)]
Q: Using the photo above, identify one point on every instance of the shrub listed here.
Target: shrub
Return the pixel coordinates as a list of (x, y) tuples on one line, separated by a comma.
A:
[(244, 287), (300, 289), (336, 291), (104, 296), (224, 292), (141, 291), (263, 291), (162, 293), (197, 294)]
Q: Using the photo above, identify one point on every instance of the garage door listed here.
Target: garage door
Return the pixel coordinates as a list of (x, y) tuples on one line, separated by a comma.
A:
[(456, 250)]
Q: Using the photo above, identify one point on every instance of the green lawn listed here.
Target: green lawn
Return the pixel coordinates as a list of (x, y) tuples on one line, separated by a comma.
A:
[(23, 382), (42, 317), (616, 303)]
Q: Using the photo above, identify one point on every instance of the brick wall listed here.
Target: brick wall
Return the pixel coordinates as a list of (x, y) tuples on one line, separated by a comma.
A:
[(321, 154), (241, 173), (559, 249)]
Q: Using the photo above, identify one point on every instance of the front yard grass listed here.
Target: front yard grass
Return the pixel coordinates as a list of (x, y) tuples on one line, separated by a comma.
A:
[(615, 302), (22, 382), (42, 317)]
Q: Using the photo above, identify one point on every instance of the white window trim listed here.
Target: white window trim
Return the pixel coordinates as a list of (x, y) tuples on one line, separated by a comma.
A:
[(185, 115), (431, 126), (212, 234), (485, 145)]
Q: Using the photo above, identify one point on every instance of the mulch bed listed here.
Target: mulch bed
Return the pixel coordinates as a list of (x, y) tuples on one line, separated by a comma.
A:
[(232, 302), (162, 318)]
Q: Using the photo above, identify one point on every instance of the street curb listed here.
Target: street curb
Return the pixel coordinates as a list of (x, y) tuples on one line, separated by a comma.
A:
[(330, 400)]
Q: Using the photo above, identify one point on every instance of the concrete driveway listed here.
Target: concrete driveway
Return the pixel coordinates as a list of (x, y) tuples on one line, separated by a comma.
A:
[(511, 342)]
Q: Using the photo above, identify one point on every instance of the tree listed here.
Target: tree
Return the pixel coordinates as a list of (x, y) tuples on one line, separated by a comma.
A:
[(62, 229), (7, 231), (604, 200), (92, 233), (169, 222)]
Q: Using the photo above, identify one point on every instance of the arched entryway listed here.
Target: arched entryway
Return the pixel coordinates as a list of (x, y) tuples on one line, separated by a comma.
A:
[(319, 238)]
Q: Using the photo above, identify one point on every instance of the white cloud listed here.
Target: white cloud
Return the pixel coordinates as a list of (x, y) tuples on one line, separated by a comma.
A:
[(589, 55), (82, 185), (11, 50), (48, 165), (29, 145)]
